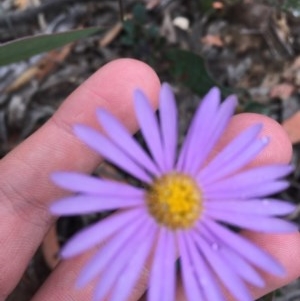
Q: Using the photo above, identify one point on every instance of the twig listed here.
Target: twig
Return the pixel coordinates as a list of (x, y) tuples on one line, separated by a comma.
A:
[(122, 13), (30, 14)]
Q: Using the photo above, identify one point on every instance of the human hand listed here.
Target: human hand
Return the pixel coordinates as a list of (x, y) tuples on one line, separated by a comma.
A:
[(26, 190)]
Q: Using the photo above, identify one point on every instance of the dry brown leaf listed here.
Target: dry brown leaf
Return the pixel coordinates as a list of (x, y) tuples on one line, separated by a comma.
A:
[(111, 34), (43, 67), (282, 27), (218, 5), (23, 79), (50, 248), (51, 60), (291, 72), (296, 63), (292, 127), (22, 4), (282, 91), (212, 40), (152, 3)]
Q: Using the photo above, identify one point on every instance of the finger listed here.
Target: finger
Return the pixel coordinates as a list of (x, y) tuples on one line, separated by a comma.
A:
[(25, 188), (61, 284), (282, 247), (240, 122), (279, 149), (286, 249)]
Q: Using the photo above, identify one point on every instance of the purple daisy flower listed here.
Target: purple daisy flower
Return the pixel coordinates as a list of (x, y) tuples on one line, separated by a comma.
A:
[(183, 209)]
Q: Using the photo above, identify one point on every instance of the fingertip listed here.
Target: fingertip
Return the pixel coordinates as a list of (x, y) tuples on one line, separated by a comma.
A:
[(127, 75), (279, 148), (282, 247), (112, 87)]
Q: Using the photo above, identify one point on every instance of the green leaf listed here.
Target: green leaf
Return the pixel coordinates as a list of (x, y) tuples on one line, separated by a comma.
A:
[(206, 5), (293, 6), (256, 107), (139, 13), (24, 48), (190, 69), (268, 297)]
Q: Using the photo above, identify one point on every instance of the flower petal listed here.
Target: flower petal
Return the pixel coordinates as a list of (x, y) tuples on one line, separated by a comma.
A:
[(110, 251), (98, 232), (253, 222), (120, 263), (202, 150), (245, 248), (258, 207), (123, 139), (240, 160), (233, 149), (243, 269), (110, 151), (169, 287), (149, 127), (131, 273), (254, 191), (200, 128), (210, 287), (156, 284), (228, 277), (234, 260), (162, 275), (78, 182), (84, 204), (192, 289), (251, 177), (168, 124)]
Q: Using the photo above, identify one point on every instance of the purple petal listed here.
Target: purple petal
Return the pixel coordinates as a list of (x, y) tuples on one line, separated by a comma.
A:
[(162, 275), (78, 182), (149, 127), (155, 291), (233, 149), (123, 139), (229, 278), (251, 177), (109, 252), (206, 279), (168, 124), (191, 287), (245, 248), (169, 287), (254, 191), (84, 204), (97, 233), (204, 147), (116, 267), (200, 128), (130, 275), (258, 207), (234, 260), (242, 268), (110, 151), (240, 160), (253, 222)]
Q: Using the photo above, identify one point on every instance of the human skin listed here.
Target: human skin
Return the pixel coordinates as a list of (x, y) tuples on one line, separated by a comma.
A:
[(26, 190)]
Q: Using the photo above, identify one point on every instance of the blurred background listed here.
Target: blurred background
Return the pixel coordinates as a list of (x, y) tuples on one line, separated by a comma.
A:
[(49, 47)]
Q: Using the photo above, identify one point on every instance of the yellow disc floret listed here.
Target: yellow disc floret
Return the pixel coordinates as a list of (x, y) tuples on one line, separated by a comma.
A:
[(175, 201)]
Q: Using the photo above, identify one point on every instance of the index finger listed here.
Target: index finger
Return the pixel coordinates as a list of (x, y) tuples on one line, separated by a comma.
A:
[(25, 188), (66, 287), (284, 247)]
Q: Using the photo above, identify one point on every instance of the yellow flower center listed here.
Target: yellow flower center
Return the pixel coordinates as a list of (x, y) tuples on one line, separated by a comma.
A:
[(175, 201)]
